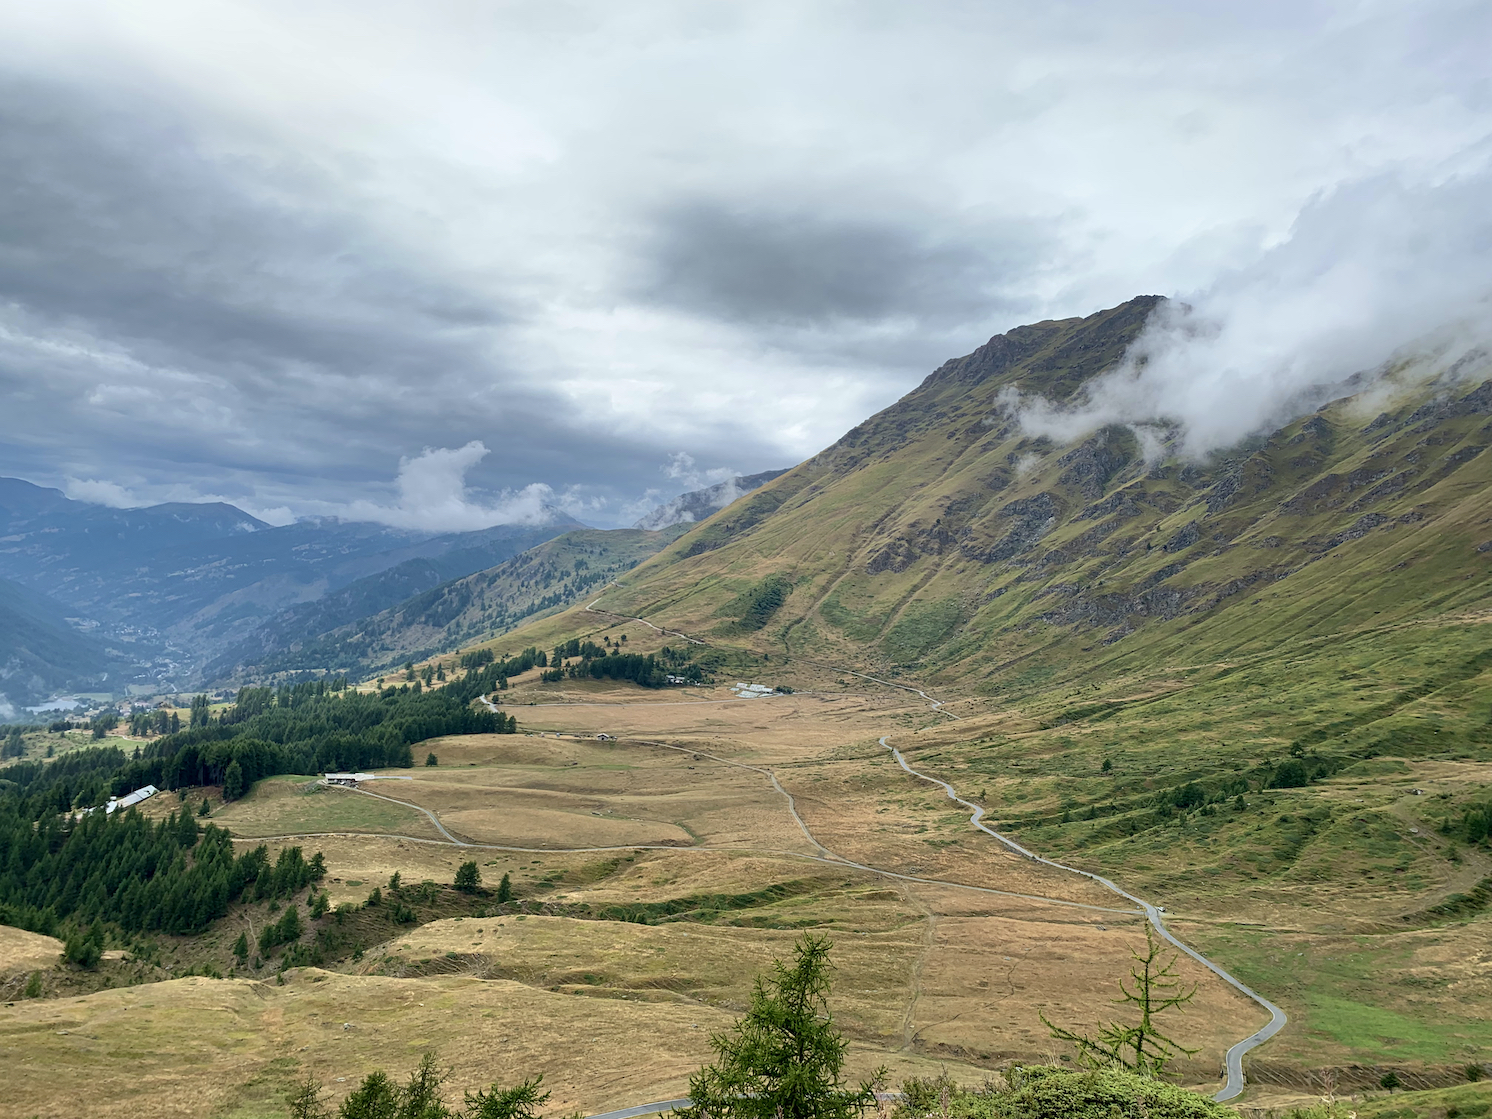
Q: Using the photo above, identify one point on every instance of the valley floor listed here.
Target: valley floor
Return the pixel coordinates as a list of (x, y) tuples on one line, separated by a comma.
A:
[(730, 825)]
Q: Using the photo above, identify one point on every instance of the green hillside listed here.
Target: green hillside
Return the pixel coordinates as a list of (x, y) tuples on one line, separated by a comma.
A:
[(40, 653), (534, 584), (937, 538)]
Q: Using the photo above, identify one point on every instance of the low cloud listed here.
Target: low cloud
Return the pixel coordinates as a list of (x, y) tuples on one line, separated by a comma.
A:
[(682, 468), (99, 492), (1378, 278), (433, 496)]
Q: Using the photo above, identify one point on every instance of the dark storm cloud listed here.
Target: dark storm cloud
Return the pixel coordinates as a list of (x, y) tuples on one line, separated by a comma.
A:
[(230, 314), (804, 268), (117, 220)]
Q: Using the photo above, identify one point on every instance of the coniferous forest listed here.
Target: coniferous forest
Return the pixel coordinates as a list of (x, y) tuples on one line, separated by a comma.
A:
[(65, 868)]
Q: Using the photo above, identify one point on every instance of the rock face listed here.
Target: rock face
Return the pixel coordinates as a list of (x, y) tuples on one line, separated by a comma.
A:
[(942, 506), (702, 504)]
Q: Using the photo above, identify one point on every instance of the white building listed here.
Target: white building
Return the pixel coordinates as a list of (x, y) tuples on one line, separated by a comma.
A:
[(131, 800), (351, 780)]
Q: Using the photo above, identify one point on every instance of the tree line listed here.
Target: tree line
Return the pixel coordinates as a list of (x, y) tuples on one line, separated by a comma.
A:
[(62, 872), (310, 730)]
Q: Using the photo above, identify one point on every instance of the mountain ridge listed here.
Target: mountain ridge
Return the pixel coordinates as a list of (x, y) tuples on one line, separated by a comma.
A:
[(938, 529)]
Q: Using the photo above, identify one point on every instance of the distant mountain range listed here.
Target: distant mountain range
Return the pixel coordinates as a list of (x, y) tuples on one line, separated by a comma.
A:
[(181, 595), (543, 580), (41, 653), (172, 587)]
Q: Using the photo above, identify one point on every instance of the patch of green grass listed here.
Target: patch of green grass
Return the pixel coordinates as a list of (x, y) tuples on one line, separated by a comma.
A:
[(1464, 1101), (922, 627), (1373, 1033)]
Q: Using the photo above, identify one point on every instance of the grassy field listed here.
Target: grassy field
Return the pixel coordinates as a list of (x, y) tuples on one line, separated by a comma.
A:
[(293, 804)]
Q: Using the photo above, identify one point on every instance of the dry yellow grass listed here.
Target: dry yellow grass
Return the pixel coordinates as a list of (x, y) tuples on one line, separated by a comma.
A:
[(616, 1013), (195, 1047), (26, 951)]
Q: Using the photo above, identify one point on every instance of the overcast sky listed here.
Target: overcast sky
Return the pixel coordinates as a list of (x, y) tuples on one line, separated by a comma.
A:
[(442, 264)]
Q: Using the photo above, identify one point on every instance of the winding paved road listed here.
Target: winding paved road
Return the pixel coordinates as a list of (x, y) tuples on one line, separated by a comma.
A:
[(1234, 1057), (1233, 1060)]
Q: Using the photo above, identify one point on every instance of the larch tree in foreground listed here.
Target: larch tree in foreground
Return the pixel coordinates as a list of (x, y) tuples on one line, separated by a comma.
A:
[(1154, 987), (785, 1058)]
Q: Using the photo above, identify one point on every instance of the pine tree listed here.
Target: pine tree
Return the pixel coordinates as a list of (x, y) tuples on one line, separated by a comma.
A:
[(430, 759), (305, 1100), (421, 1096), (468, 878), (377, 1097), (290, 925), (234, 785), (1141, 1047), (784, 1059), (505, 889), (241, 947)]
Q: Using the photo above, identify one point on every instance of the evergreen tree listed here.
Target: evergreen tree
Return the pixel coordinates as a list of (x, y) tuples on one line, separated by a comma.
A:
[(1141, 1047), (305, 1100), (85, 949), (241, 947), (420, 1098), (468, 878), (206, 808), (377, 1097), (522, 1102), (785, 1058), (430, 759), (290, 925), (234, 785), (505, 889)]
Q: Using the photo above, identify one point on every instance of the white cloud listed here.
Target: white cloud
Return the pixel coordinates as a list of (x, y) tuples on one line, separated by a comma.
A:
[(1378, 273), (682, 468), (433, 496), (99, 492), (269, 245)]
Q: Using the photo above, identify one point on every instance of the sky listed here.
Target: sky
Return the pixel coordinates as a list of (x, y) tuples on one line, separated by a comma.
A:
[(453, 264)]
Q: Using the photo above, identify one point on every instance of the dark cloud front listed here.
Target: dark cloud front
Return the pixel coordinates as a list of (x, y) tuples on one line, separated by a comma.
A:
[(804, 268), (312, 350), (115, 215)]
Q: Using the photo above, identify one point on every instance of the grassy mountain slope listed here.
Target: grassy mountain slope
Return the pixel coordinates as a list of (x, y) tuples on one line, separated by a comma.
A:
[(545, 579), (938, 538), (382, 590)]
